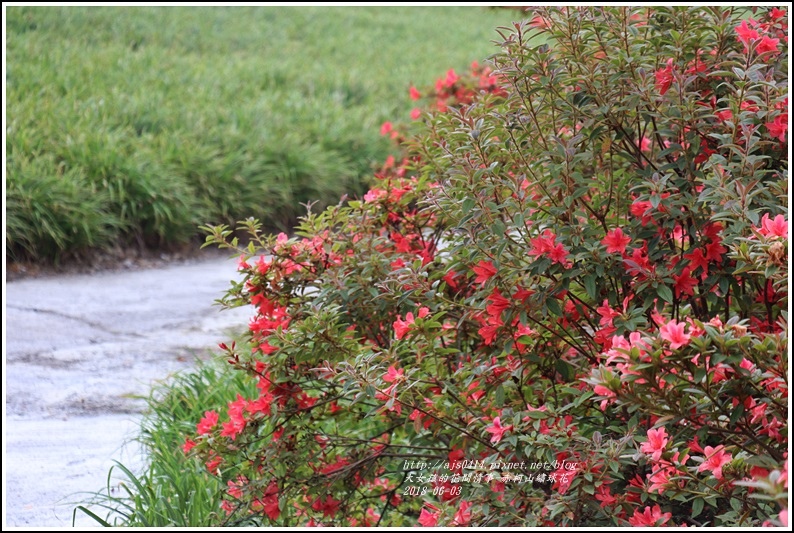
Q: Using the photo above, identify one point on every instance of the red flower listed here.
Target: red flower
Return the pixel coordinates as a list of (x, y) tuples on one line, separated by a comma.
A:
[(386, 128), (607, 314), (489, 329), (746, 33), (607, 393), (428, 519), (497, 430), (542, 243), (392, 375), (188, 445), (673, 332), (777, 13), (207, 423), (559, 254), (463, 516), (236, 423), (640, 208), (697, 259), (777, 227), (657, 440), (416, 113), (451, 78), (498, 303), (269, 501), (329, 507), (778, 127), (413, 93), (213, 464), (485, 271), (715, 250), (449, 279), (685, 283), (616, 241), (401, 327), (767, 44), (664, 77), (650, 517), (604, 495), (545, 243), (724, 114), (715, 459)]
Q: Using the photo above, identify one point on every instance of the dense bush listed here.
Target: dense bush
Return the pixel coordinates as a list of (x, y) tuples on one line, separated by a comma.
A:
[(565, 306)]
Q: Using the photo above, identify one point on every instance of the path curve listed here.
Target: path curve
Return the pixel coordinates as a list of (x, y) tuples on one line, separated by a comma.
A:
[(78, 349)]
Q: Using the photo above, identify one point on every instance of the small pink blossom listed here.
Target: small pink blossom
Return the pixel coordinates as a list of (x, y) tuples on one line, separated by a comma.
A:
[(715, 459), (497, 430), (392, 375), (650, 517), (777, 227), (657, 440), (673, 332)]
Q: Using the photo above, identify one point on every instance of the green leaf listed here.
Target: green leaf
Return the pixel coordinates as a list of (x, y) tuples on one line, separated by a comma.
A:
[(468, 205), (590, 286), (554, 306), (665, 293), (697, 506), (565, 370), (499, 396)]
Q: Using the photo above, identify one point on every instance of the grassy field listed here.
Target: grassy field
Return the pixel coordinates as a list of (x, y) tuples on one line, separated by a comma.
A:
[(137, 124)]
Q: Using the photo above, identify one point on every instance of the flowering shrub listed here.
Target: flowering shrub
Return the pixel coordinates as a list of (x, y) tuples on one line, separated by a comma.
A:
[(565, 306)]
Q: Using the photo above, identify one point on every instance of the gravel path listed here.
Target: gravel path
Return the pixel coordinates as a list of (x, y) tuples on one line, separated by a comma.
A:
[(80, 350)]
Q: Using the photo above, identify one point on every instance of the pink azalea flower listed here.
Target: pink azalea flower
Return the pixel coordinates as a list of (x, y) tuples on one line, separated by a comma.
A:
[(659, 479), (777, 227), (650, 517), (715, 459), (657, 440), (392, 375), (603, 391), (497, 430), (673, 332), (401, 327)]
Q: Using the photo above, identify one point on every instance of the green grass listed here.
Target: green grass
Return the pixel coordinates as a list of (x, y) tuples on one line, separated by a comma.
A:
[(173, 490), (141, 123)]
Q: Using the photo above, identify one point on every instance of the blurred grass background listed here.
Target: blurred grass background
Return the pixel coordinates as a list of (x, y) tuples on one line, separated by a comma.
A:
[(134, 125)]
